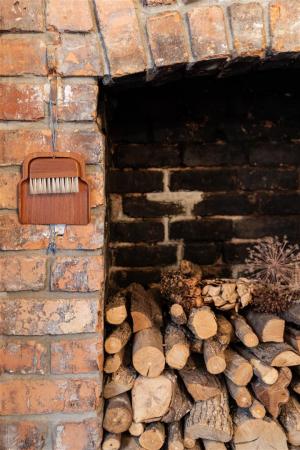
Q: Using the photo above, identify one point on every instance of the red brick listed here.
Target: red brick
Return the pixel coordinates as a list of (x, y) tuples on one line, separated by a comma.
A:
[(21, 101), (22, 54), (121, 32), (22, 15), (69, 15), (23, 435), (23, 357), (95, 177), (78, 436), (77, 100), (208, 34), (285, 25), (43, 396), (75, 356), (22, 273), (79, 55), (77, 274), (8, 189), (167, 38), (247, 22), (27, 317)]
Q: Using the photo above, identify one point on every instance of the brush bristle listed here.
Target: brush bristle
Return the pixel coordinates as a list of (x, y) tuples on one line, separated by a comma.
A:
[(66, 185)]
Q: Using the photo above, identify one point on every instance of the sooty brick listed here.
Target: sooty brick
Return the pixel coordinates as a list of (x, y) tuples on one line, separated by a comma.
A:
[(123, 278), (144, 256), (143, 156), (139, 206), (136, 231), (203, 180), (267, 179), (214, 155), (235, 253), (225, 204), (204, 253), (201, 230), (274, 154), (259, 227), (135, 181), (280, 203)]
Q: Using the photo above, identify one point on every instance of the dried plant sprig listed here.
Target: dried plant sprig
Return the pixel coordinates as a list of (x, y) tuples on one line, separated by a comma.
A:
[(273, 299)]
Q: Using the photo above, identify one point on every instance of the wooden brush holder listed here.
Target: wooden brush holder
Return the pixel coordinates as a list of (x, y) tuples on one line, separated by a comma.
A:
[(53, 190)]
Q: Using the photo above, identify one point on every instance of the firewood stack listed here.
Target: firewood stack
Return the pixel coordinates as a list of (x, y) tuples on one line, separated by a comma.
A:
[(193, 369)]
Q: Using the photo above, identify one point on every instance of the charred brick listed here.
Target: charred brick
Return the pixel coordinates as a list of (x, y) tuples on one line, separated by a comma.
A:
[(201, 230), (226, 204), (136, 231), (267, 179), (214, 155), (203, 180), (140, 156), (144, 256), (206, 253), (135, 181), (137, 206)]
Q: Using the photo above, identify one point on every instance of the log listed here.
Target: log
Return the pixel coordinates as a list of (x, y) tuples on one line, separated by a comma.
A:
[(210, 419), (188, 442), (136, 429), (115, 309), (130, 443), (113, 362), (177, 348), (121, 381), (175, 440), (153, 437), (240, 394), (151, 398), (277, 355), (292, 314), (202, 322), (238, 369), (180, 403), (268, 327), (292, 337), (145, 311), (196, 345), (244, 332), (257, 434), (111, 441), (118, 414), (290, 419), (213, 445), (177, 314), (147, 354), (200, 384), (272, 397), (118, 338), (214, 347), (265, 373), (257, 410)]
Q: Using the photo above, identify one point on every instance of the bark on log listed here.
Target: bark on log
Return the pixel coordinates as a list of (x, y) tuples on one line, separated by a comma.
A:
[(290, 419), (177, 348), (120, 381), (175, 440), (147, 354), (292, 337), (244, 332), (292, 314), (202, 322), (115, 309), (240, 394), (257, 410), (238, 369), (277, 355), (200, 384), (136, 429), (111, 441), (177, 314), (180, 403), (118, 338), (118, 414), (268, 327), (265, 373), (153, 437)]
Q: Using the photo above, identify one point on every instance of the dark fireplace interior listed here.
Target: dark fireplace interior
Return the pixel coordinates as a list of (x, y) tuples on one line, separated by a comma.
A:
[(199, 169)]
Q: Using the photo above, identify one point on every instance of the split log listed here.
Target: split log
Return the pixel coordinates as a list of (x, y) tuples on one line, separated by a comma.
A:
[(136, 429), (268, 327), (272, 397), (177, 314), (240, 394), (213, 445), (130, 443), (175, 440), (210, 419), (277, 355), (111, 441), (238, 369), (257, 434), (200, 384), (202, 322), (118, 414), (115, 309), (257, 410), (180, 403), (121, 381), (214, 347), (144, 309), (147, 354), (244, 332), (153, 437), (292, 314), (151, 398), (118, 338), (177, 347), (292, 337), (113, 362), (265, 373), (290, 419)]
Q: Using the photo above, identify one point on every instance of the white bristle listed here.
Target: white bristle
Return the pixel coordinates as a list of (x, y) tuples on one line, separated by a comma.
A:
[(76, 186), (67, 185), (57, 185)]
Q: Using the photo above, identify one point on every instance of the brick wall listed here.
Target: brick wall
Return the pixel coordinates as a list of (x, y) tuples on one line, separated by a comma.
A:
[(201, 169)]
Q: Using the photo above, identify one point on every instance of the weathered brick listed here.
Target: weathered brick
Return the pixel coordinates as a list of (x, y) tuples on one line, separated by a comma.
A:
[(77, 100), (22, 101), (208, 33), (121, 32), (144, 256), (285, 25), (8, 189), (138, 156), (79, 55), (22, 54), (247, 22), (75, 356), (221, 154), (259, 227), (123, 278), (261, 179), (167, 38), (51, 316), (204, 253), (135, 181), (95, 177), (22, 273), (69, 15), (43, 396), (24, 15), (139, 206), (77, 274), (136, 231), (23, 357), (78, 436), (226, 204), (201, 230), (203, 180), (15, 435)]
